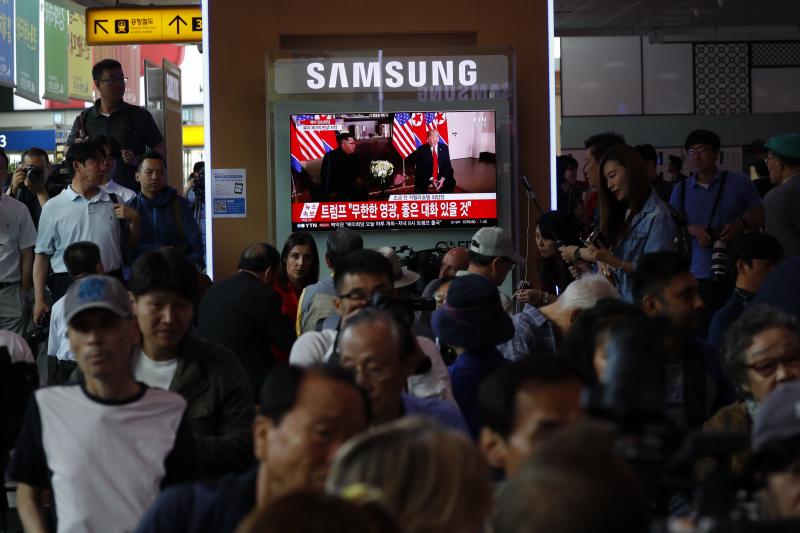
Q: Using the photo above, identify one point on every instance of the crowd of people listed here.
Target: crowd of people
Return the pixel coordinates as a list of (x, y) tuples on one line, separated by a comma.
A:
[(647, 372)]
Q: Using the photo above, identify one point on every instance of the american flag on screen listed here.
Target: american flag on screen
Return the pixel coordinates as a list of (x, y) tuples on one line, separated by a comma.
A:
[(309, 144), (404, 139), (438, 122)]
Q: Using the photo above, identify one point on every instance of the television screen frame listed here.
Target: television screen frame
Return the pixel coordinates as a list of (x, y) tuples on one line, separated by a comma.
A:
[(393, 203)]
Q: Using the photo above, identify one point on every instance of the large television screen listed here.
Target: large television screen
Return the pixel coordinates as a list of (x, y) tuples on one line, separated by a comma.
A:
[(393, 170)]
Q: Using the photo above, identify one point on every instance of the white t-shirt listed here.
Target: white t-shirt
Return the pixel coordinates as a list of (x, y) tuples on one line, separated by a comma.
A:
[(57, 341), (125, 194), (156, 374), (18, 349), (17, 232)]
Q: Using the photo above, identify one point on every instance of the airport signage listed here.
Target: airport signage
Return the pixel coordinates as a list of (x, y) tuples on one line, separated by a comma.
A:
[(141, 25)]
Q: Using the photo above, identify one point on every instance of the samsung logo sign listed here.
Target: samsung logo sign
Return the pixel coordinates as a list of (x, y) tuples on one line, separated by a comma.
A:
[(393, 74), (371, 74)]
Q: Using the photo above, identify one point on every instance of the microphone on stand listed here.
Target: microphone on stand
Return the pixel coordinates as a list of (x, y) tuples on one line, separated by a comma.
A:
[(531, 193)]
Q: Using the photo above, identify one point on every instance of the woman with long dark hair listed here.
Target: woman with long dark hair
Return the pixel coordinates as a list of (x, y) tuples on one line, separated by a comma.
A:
[(299, 268), (633, 220)]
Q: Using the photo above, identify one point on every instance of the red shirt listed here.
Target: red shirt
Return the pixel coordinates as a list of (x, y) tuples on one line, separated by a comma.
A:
[(289, 301)]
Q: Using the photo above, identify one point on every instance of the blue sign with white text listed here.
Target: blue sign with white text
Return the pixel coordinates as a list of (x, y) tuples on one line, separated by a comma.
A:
[(21, 140)]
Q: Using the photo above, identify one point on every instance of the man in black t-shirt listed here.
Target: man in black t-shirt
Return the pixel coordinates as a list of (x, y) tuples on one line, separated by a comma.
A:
[(132, 126), (107, 445)]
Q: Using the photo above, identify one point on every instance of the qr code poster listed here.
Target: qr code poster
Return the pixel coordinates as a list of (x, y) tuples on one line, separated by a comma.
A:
[(229, 186)]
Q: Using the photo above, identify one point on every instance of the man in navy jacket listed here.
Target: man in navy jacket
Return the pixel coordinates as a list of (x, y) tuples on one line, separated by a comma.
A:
[(166, 218)]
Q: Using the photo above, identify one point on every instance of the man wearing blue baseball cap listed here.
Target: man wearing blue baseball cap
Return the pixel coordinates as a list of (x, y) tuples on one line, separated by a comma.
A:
[(105, 446), (782, 216)]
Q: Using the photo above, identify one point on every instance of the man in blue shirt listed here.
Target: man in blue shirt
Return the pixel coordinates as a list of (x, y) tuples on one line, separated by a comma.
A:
[(719, 207)]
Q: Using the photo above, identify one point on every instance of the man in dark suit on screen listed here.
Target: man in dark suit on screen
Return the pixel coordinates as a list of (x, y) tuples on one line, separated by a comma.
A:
[(433, 169)]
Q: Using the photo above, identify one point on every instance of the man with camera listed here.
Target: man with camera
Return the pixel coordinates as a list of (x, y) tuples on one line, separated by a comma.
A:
[(719, 207), (17, 237), (28, 184)]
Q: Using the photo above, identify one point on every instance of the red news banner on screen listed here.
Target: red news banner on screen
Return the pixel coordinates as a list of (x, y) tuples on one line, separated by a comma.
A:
[(418, 211), (397, 170)]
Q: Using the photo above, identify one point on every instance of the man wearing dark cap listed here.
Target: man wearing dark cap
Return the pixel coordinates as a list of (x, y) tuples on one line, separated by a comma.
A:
[(472, 322), (719, 207), (104, 447), (782, 216), (776, 449)]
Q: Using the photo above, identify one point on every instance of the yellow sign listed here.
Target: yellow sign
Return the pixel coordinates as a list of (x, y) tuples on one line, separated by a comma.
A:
[(175, 24)]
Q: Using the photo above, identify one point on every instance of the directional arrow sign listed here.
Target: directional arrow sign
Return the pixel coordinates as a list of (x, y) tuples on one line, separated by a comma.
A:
[(177, 21), (97, 24), (133, 25)]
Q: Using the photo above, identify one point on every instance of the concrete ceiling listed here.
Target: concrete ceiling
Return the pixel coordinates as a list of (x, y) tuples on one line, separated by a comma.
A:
[(639, 17)]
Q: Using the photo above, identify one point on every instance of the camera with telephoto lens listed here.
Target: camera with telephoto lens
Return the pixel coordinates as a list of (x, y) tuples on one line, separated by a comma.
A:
[(199, 184), (35, 175), (719, 258)]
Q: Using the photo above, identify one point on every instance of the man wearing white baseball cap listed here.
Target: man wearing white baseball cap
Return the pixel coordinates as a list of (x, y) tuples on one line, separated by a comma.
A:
[(105, 446), (492, 255)]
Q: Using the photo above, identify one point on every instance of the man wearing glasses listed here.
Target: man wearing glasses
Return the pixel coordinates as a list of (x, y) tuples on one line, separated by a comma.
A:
[(719, 207), (132, 126)]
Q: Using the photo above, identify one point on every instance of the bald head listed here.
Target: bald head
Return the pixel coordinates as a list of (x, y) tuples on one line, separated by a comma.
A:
[(259, 258), (454, 260)]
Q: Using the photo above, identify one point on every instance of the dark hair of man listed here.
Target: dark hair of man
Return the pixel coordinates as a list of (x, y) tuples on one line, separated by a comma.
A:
[(81, 258), (755, 246), (403, 338), (575, 483), (579, 344), (703, 137), (739, 337), (362, 262), (340, 243), (647, 153), (258, 257), (151, 154), (109, 142), (82, 152), (497, 396), (790, 162), (103, 65), (599, 144), (479, 259), (654, 272), (613, 221), (279, 391), (200, 165), (344, 137), (167, 270), (564, 163), (4, 165), (299, 238), (35, 152), (677, 161)]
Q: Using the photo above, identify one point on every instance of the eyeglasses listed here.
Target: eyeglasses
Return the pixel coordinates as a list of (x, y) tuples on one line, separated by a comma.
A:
[(114, 80), (360, 295), (702, 150), (766, 367)]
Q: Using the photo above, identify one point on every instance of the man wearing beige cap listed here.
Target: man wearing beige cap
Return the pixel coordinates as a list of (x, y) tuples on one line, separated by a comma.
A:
[(106, 446), (782, 217), (492, 255)]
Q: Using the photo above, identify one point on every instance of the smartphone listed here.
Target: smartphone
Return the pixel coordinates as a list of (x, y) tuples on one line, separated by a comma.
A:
[(522, 285)]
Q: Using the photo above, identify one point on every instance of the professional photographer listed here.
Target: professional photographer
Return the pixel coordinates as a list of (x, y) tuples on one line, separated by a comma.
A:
[(195, 189), (633, 220), (29, 182)]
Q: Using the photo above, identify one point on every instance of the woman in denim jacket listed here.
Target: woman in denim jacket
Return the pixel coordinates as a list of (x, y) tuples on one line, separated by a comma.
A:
[(633, 220)]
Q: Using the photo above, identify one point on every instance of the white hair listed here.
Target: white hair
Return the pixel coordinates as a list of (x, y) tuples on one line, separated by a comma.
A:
[(586, 291)]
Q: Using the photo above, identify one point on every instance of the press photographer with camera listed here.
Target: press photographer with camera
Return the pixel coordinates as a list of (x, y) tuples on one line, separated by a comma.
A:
[(633, 220), (29, 182)]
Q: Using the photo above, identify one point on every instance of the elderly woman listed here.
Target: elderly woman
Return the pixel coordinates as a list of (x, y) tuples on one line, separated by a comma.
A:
[(762, 350), (432, 480)]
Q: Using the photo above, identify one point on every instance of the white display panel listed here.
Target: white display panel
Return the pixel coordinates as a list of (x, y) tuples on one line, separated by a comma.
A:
[(601, 76), (774, 90), (668, 78)]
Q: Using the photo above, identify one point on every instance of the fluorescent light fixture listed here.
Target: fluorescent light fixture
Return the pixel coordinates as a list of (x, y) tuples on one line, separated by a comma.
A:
[(551, 78), (209, 197)]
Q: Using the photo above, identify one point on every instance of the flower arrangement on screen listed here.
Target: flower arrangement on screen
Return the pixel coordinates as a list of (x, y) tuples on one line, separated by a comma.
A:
[(381, 171)]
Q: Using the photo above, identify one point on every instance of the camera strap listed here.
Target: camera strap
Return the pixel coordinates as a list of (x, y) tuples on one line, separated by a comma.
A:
[(722, 180)]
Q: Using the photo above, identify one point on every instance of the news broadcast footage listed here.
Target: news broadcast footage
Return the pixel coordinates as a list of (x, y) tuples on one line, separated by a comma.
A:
[(379, 171)]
